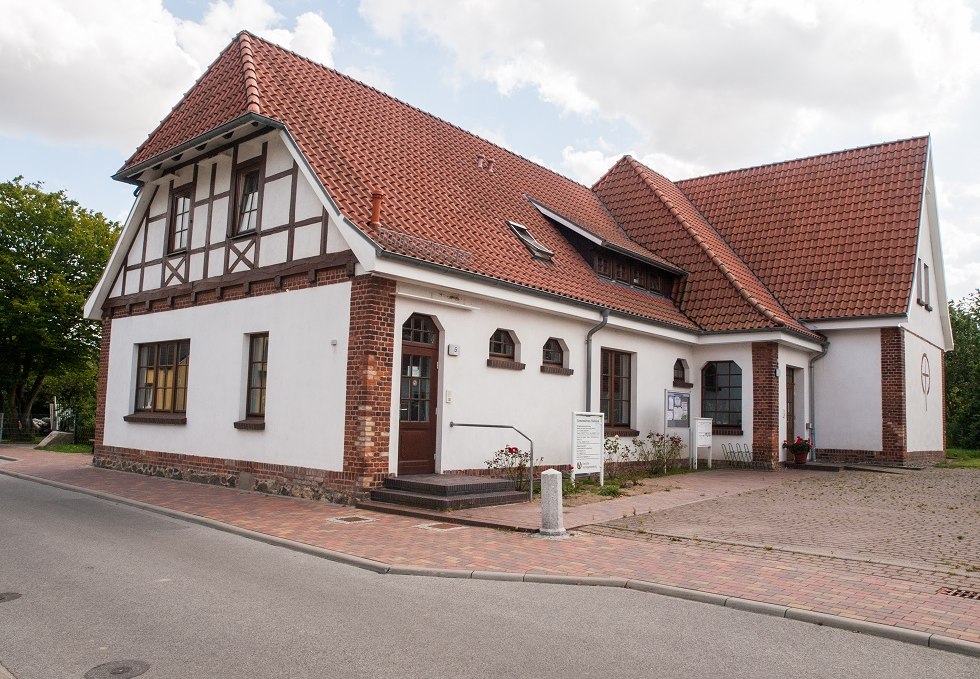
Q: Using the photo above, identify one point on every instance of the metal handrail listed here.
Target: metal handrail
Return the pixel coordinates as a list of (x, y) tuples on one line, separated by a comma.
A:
[(530, 466)]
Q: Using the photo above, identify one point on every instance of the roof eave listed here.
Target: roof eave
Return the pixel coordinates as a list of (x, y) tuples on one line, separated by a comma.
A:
[(130, 173)]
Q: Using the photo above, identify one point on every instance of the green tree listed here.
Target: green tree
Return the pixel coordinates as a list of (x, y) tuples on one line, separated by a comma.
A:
[(52, 252), (963, 374)]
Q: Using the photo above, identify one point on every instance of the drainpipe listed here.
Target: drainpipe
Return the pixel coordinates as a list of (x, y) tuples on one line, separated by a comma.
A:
[(588, 359), (824, 348)]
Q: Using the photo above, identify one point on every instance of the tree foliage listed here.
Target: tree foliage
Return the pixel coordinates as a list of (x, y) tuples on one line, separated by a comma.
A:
[(52, 252), (963, 374)]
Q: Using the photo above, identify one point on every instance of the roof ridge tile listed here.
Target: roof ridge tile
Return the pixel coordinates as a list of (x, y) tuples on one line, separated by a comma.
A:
[(253, 103)]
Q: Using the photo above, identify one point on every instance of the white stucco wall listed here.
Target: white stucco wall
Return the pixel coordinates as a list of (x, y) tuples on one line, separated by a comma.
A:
[(847, 384), (538, 404), (924, 323), (306, 387), (923, 398)]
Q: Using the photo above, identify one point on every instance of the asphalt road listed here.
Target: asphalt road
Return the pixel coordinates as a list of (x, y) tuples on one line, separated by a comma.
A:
[(103, 582)]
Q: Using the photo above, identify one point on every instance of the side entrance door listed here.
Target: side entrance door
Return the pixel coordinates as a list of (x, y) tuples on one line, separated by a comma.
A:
[(418, 389)]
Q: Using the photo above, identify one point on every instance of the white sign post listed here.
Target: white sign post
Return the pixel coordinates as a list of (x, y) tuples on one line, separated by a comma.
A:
[(702, 439), (588, 439)]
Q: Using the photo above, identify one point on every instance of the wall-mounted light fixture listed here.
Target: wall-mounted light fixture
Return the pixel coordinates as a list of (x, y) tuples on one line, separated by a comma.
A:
[(777, 371)]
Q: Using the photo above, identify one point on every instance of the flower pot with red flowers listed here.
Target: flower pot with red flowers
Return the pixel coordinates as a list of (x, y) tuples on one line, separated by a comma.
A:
[(800, 449)]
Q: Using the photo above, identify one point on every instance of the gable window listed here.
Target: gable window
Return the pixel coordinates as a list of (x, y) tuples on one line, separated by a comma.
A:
[(161, 377), (502, 344), (922, 286), (246, 210), (615, 388), (258, 359), (538, 251), (721, 396), (552, 353), (180, 219)]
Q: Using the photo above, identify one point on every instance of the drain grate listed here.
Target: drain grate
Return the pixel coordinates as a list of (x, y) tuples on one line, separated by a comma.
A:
[(8, 596), (118, 669), (352, 519), (962, 593), (441, 526)]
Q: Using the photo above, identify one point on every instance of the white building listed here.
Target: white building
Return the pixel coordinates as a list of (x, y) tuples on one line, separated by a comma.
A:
[(316, 279)]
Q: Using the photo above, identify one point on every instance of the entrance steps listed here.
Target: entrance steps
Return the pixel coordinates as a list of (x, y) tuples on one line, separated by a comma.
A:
[(447, 491)]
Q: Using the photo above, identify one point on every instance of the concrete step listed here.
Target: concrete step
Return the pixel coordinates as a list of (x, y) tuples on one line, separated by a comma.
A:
[(443, 502), (447, 485)]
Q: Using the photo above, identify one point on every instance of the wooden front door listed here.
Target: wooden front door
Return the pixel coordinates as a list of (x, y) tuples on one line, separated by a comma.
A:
[(418, 396), (790, 404)]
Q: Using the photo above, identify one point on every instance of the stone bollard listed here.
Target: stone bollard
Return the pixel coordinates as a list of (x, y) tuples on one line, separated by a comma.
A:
[(552, 523)]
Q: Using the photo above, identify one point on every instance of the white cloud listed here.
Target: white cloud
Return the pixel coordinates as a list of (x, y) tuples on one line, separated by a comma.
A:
[(106, 71), (370, 76), (716, 81)]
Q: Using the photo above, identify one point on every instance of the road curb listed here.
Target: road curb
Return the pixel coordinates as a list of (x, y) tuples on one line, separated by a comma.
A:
[(901, 634)]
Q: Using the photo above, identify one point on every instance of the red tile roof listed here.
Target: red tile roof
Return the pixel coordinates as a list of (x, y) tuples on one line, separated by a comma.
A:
[(438, 204), (833, 236), (721, 292)]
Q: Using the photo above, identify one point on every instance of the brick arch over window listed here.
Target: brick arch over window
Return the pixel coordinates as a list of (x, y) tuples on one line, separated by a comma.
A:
[(721, 396)]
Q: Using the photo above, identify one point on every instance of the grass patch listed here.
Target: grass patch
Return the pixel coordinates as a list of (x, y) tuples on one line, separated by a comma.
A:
[(70, 448), (960, 458)]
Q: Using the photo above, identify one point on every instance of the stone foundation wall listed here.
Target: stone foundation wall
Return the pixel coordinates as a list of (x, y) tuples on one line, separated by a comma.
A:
[(303, 482)]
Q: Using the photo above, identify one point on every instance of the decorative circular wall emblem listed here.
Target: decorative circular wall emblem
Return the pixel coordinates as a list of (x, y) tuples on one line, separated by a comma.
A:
[(924, 372)]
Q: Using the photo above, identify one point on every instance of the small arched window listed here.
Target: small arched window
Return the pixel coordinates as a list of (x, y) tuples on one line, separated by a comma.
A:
[(502, 344), (679, 375), (552, 353)]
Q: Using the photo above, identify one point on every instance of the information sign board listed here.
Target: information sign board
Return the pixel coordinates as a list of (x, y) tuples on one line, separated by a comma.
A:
[(678, 409), (588, 437)]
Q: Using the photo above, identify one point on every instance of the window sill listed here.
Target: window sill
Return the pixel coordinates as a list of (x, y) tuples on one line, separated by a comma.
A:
[(243, 234), (505, 363), (250, 424), (156, 418), (621, 431), (727, 431), (556, 370), (928, 307), (681, 384)]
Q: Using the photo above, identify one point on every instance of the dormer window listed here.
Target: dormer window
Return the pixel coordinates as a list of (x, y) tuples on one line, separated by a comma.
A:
[(538, 251), (629, 271)]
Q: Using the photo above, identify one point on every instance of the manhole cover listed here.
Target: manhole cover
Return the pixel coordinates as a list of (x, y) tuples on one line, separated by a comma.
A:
[(962, 593), (118, 669), (8, 596), (352, 519)]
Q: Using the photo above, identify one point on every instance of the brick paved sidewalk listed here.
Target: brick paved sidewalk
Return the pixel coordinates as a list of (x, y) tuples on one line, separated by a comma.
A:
[(893, 595)]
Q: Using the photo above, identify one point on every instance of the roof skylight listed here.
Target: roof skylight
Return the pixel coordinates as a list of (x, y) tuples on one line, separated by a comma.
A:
[(538, 251)]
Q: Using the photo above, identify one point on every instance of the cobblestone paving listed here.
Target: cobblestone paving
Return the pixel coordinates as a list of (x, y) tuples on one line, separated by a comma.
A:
[(890, 594), (924, 518)]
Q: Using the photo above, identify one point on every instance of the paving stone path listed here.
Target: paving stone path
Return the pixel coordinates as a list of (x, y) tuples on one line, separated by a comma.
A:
[(889, 593)]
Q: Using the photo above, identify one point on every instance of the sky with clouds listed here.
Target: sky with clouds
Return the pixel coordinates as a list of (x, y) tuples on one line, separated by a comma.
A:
[(688, 87)]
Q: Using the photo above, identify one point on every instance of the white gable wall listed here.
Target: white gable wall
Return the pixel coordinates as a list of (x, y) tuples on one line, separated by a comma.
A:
[(306, 389)]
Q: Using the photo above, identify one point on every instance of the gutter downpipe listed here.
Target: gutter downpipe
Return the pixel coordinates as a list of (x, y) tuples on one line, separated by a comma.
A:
[(824, 349), (588, 359)]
